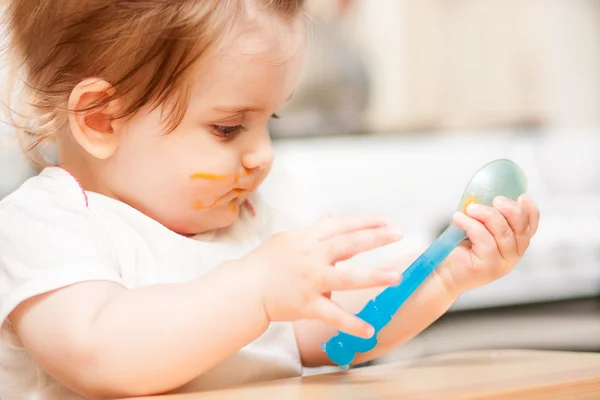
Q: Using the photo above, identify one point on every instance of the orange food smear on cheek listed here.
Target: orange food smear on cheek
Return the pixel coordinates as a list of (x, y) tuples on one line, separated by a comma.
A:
[(198, 205), (216, 177), (209, 176)]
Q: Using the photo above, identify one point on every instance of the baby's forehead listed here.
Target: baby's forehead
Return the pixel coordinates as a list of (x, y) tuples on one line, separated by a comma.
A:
[(251, 59), (265, 39)]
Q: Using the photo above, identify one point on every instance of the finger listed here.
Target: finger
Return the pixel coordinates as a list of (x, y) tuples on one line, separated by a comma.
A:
[(358, 278), (343, 247), (483, 245), (327, 311), (329, 227), (533, 212), (518, 220), (498, 226)]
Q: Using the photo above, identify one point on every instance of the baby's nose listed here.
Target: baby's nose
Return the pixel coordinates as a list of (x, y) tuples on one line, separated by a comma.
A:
[(260, 158)]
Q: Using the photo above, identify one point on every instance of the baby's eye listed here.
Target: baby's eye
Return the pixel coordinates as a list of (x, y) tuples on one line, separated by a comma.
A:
[(230, 132), (227, 132)]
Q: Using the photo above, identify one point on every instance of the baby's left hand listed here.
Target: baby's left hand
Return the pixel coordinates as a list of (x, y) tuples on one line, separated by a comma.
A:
[(499, 236)]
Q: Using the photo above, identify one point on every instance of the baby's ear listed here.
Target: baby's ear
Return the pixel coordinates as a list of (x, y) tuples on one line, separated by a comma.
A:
[(92, 119)]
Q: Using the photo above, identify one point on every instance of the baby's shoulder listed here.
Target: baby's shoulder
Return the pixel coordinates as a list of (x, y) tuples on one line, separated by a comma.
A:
[(53, 192)]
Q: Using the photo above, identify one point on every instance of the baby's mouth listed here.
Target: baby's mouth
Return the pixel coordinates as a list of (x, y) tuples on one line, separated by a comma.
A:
[(244, 185), (233, 196)]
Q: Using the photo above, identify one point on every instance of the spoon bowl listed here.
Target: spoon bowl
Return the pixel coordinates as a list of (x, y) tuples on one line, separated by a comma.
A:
[(497, 178)]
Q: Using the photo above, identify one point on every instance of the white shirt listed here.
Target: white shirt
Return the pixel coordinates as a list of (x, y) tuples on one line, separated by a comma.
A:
[(53, 234)]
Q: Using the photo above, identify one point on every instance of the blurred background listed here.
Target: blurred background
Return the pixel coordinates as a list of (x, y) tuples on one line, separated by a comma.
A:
[(401, 101)]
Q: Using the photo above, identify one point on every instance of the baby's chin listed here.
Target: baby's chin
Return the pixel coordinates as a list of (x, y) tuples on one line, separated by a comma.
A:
[(207, 220)]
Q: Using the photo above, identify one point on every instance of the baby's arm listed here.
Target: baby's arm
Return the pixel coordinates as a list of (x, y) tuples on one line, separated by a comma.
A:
[(67, 300), (425, 306), (105, 342), (499, 236)]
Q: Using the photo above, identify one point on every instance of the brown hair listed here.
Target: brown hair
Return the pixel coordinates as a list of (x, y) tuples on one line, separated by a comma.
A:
[(143, 48)]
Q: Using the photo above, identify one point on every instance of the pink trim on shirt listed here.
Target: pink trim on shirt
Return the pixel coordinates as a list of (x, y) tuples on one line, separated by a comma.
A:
[(250, 207), (85, 196)]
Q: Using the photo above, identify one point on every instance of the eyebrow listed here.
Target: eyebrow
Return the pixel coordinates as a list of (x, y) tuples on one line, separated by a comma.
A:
[(244, 109)]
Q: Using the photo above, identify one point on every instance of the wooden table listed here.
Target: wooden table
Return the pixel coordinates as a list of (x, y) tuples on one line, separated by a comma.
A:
[(513, 374)]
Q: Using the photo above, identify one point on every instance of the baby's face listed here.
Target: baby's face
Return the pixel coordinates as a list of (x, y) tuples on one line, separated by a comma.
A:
[(195, 178)]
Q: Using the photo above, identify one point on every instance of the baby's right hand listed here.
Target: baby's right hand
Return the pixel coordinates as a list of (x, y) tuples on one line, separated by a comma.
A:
[(297, 273)]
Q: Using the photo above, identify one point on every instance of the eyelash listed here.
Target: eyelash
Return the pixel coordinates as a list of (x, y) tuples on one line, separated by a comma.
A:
[(227, 132), (230, 132)]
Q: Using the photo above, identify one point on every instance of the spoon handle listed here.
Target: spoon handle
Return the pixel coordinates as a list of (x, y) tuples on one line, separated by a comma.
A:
[(342, 348)]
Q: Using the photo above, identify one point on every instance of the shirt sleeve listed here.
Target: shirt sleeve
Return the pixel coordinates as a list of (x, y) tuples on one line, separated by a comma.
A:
[(49, 241)]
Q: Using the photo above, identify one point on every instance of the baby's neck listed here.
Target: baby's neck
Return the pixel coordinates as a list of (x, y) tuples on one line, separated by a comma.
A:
[(79, 163)]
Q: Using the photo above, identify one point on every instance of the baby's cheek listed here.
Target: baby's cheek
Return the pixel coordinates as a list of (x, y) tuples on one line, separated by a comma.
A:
[(205, 195), (203, 202)]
